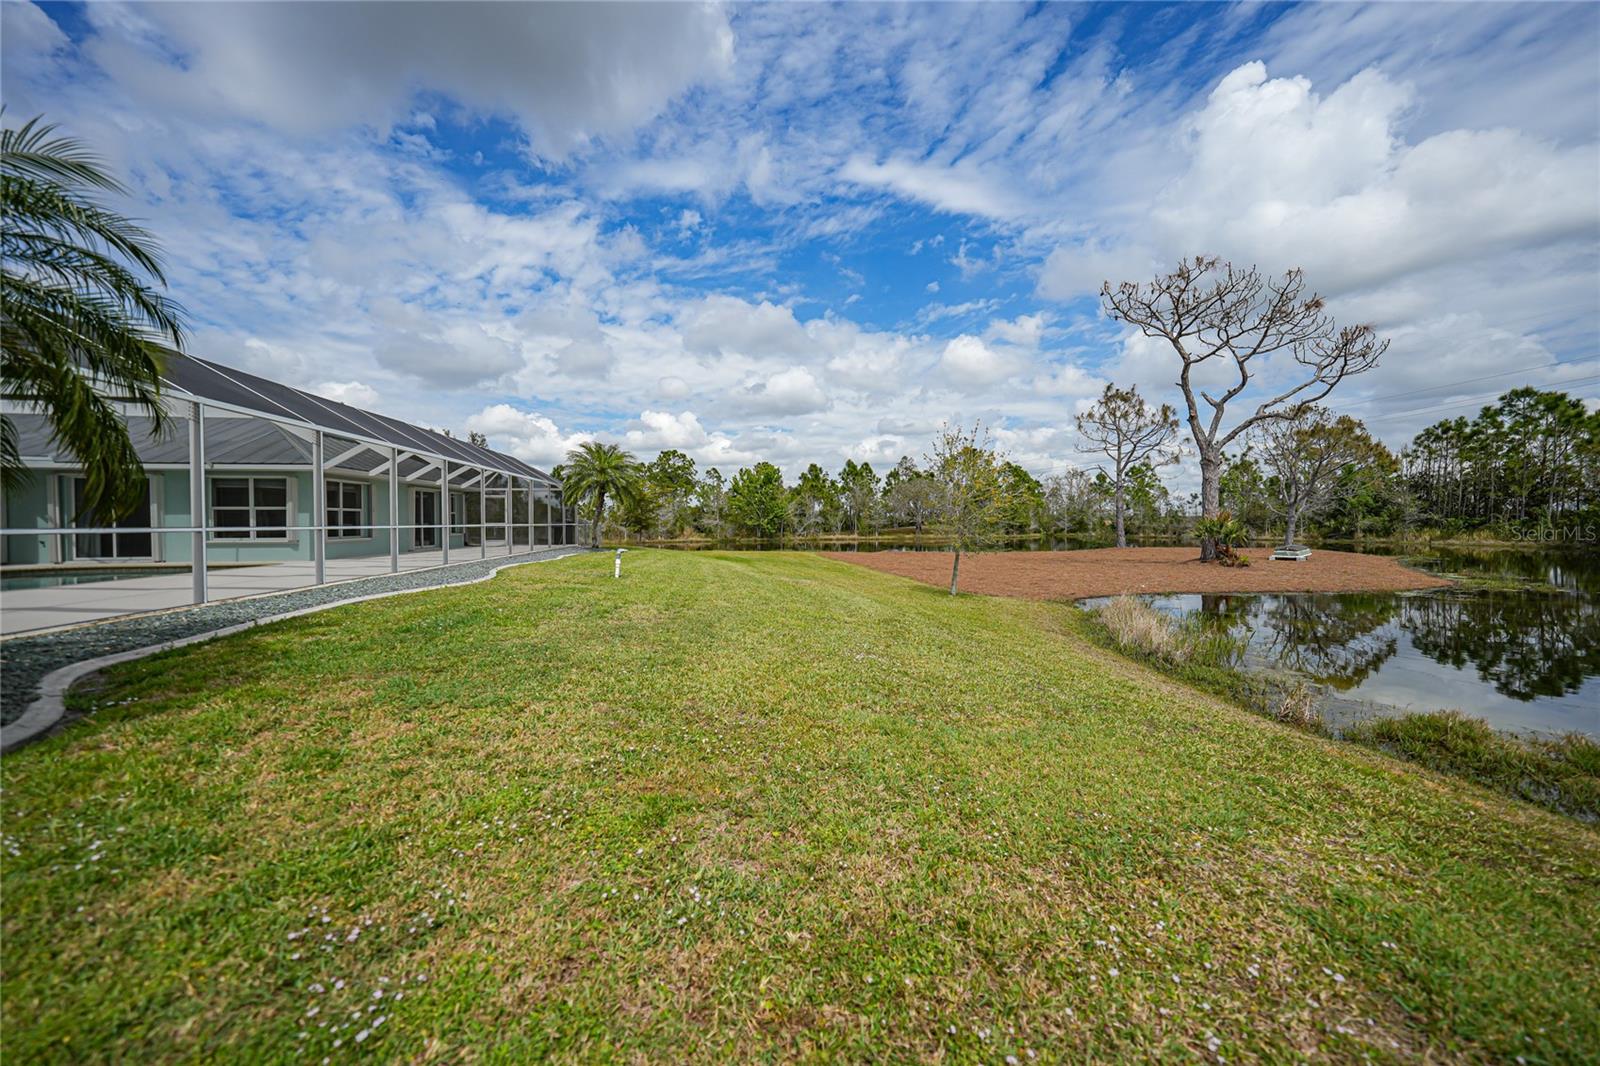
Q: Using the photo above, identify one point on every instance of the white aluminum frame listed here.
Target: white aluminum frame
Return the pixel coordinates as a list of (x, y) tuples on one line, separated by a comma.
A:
[(561, 530)]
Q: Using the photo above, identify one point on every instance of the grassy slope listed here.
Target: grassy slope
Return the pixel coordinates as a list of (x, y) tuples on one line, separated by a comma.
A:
[(755, 805)]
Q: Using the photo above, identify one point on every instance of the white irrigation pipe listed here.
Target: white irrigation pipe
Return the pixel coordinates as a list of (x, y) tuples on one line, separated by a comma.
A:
[(49, 706)]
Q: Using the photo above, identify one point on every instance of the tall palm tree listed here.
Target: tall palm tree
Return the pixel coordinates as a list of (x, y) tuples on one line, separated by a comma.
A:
[(81, 321), (600, 470)]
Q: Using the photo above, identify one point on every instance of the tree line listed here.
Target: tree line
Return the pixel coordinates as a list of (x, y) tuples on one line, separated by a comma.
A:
[(1530, 461), (670, 497)]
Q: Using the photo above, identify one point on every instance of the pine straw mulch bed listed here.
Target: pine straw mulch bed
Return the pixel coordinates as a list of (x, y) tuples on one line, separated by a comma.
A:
[(1070, 575)]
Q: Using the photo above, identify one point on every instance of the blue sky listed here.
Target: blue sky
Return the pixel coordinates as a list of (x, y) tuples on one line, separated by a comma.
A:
[(806, 233)]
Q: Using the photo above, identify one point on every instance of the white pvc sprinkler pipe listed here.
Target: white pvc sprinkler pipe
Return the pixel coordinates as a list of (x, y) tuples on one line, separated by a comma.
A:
[(618, 571)]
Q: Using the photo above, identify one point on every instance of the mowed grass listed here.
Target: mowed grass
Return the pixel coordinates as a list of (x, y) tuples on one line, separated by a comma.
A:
[(755, 806)]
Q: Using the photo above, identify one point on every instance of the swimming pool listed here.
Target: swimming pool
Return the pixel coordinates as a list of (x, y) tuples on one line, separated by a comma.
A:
[(42, 580)]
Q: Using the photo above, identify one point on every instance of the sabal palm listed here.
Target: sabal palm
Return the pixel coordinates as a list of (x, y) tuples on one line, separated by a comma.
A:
[(80, 318), (600, 471)]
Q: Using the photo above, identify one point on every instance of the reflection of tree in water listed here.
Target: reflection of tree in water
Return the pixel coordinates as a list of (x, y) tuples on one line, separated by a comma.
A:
[(1339, 641), (1336, 640), (1572, 570), (1526, 644)]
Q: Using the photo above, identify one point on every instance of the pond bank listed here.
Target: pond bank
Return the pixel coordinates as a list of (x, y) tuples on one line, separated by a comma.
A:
[(810, 775), (1559, 770), (1115, 571)]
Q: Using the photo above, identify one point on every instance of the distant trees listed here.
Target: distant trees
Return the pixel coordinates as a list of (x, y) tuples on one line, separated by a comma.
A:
[(1314, 459), (757, 501), (971, 501), (815, 504), (1149, 505), (1244, 493), (910, 495), (1214, 315), (1129, 433), (1024, 509), (858, 488), (1532, 459), (1073, 502), (671, 481), (594, 472), (711, 502)]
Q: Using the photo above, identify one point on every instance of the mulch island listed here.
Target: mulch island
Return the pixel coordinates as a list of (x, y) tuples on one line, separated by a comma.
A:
[(1070, 575)]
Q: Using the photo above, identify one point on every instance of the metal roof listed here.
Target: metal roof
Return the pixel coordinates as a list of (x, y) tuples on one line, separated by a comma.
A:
[(230, 441), (202, 379)]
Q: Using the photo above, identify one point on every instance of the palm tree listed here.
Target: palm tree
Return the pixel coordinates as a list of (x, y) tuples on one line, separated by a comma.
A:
[(600, 470), (80, 324)]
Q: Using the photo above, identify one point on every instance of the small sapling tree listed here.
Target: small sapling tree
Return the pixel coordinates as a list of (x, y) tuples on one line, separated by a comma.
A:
[(971, 498)]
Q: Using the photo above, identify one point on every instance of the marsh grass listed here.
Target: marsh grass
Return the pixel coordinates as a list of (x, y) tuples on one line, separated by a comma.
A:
[(1189, 650), (1136, 627), (1562, 774), (754, 807)]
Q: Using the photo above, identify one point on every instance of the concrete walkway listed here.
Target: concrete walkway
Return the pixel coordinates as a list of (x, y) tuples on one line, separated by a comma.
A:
[(26, 661)]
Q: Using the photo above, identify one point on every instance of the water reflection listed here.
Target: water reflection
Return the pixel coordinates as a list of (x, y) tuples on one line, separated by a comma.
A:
[(1523, 657), (1525, 644)]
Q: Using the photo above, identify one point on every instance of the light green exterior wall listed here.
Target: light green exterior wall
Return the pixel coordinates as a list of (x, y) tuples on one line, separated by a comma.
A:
[(29, 507)]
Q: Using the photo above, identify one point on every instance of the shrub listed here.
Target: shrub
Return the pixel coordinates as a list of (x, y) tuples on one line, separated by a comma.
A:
[(1563, 774), (1297, 706), (1136, 626), (1227, 532)]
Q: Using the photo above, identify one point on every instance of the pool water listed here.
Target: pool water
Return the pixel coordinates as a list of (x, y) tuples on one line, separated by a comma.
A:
[(17, 582)]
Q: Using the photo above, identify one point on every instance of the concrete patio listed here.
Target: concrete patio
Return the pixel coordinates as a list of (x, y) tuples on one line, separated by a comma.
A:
[(35, 610)]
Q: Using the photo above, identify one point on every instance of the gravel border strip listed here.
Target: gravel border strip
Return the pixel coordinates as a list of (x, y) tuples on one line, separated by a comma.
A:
[(47, 706)]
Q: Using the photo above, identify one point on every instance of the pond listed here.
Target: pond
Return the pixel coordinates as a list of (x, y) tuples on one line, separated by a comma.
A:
[(1517, 644)]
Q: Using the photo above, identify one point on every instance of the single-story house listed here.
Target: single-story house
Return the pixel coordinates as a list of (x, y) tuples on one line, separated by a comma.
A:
[(283, 475)]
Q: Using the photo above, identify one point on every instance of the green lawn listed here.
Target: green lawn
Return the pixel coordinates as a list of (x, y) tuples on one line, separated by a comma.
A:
[(755, 806)]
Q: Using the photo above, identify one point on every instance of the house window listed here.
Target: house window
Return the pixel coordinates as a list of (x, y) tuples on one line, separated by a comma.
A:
[(347, 509), (117, 545), (458, 512), (249, 508)]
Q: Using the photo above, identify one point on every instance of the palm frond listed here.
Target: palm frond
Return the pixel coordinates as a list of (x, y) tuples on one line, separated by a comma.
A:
[(81, 317)]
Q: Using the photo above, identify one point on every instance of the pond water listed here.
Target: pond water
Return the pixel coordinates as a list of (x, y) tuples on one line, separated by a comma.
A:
[(1519, 646)]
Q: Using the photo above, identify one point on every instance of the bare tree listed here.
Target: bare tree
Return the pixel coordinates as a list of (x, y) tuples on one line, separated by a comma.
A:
[(1309, 457), (1207, 310), (1128, 431)]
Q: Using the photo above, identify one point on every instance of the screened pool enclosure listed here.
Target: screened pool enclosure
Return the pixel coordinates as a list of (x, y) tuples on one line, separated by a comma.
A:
[(256, 487)]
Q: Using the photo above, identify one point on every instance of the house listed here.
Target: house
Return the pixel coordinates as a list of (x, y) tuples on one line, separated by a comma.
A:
[(250, 473)]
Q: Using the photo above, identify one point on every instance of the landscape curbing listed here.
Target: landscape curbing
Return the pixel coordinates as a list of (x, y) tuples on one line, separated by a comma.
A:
[(49, 707)]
